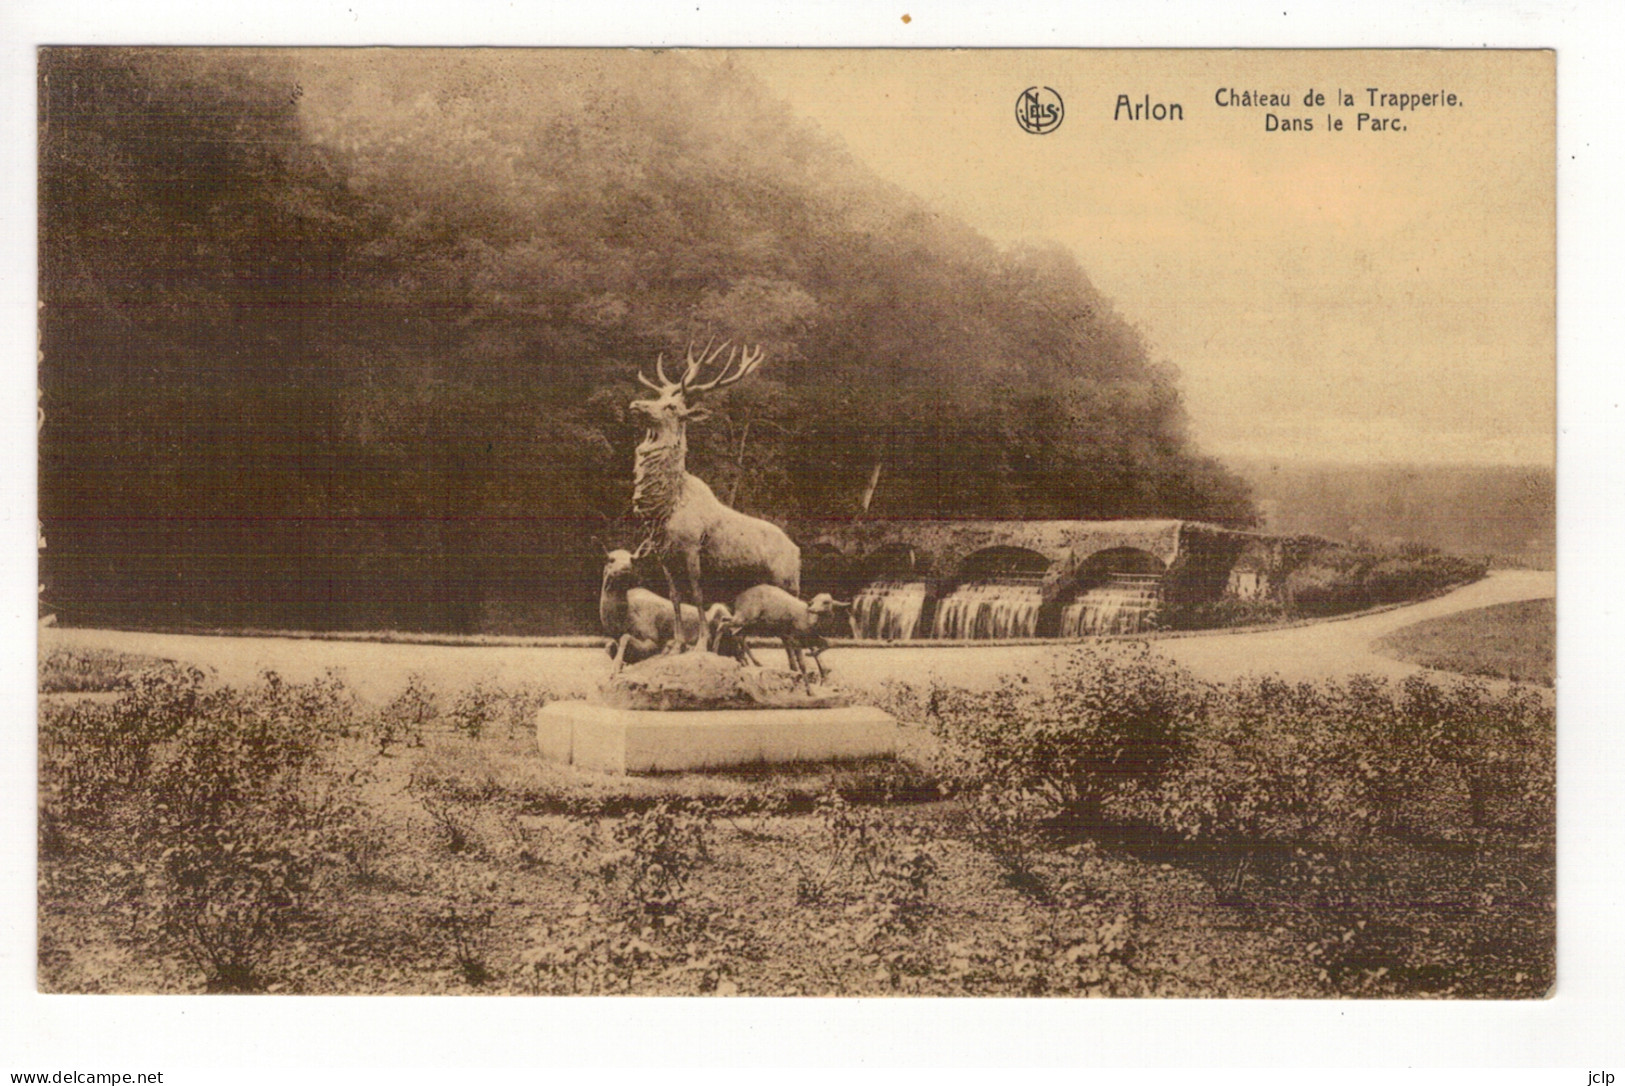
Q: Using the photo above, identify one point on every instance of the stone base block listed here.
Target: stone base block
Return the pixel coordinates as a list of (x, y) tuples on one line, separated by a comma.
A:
[(614, 740)]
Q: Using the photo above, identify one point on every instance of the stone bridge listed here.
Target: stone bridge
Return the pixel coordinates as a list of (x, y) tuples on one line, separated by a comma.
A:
[(1194, 562)]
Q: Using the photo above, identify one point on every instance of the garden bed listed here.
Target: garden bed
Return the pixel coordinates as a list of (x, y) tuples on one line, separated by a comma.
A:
[(286, 837)]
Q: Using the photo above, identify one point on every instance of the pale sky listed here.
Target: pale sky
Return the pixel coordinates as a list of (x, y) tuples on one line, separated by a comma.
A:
[(1326, 295)]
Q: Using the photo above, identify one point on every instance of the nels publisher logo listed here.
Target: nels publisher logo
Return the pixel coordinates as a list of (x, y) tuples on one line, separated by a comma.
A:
[(1039, 110)]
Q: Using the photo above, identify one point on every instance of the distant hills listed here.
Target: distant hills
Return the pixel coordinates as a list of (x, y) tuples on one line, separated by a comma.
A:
[(1505, 512)]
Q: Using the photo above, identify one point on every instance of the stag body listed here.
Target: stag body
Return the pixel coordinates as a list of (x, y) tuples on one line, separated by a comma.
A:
[(702, 544)]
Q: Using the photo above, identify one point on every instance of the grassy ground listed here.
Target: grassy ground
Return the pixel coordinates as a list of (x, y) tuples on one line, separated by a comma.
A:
[(1514, 641), (467, 865)]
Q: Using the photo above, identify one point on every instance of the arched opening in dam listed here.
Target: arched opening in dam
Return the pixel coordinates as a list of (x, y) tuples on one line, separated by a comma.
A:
[(996, 592), (1114, 591), (891, 604)]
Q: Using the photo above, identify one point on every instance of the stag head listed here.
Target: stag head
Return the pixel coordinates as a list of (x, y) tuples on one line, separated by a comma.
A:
[(678, 401)]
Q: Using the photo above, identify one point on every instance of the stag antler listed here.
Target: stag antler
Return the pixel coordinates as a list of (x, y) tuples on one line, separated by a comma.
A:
[(666, 384), (692, 367), (729, 374)]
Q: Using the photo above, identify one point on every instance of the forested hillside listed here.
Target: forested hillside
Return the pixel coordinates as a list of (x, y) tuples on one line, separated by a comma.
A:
[(345, 339)]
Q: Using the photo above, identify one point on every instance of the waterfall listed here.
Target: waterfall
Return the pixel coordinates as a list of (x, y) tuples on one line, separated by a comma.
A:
[(888, 610), (980, 611), (1120, 606)]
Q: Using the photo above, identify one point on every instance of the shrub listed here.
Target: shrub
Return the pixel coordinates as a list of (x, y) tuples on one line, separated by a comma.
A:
[(324, 706), (855, 833), (1500, 746), (474, 708), (474, 813), (1221, 613), (455, 824), (1319, 588), (1350, 578), (1271, 770), (482, 706), (1305, 774), (1005, 822), (407, 715), (658, 849), (76, 671), (646, 925), (902, 883), (464, 920), (1113, 719), (247, 805), (156, 704), (94, 756), (1413, 576), (225, 899), (86, 760), (896, 869)]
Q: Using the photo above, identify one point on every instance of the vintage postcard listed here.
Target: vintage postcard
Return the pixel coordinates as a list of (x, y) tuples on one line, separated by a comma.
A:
[(797, 523)]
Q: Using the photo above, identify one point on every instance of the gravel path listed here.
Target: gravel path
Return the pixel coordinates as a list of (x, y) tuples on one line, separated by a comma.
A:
[(377, 670)]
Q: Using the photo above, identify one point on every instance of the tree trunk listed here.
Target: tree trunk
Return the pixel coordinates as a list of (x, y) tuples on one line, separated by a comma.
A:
[(869, 489)]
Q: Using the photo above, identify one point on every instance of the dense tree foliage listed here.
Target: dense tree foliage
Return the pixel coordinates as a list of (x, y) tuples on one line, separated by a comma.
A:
[(347, 338)]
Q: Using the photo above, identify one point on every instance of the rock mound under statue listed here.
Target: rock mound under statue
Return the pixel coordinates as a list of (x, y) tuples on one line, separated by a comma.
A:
[(699, 711), (699, 680)]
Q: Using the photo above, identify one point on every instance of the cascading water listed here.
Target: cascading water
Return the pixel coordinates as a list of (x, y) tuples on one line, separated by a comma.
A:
[(988, 610), (1120, 606), (888, 610)]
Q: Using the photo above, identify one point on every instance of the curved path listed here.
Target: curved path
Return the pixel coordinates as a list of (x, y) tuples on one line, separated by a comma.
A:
[(1343, 646), (379, 670)]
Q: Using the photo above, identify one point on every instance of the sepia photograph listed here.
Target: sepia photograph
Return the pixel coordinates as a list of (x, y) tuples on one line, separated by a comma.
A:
[(797, 523)]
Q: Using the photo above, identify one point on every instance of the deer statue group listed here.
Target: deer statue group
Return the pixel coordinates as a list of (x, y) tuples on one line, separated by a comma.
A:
[(702, 546)]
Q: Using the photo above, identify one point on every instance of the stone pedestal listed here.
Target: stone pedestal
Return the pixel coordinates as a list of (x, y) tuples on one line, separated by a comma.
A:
[(616, 740)]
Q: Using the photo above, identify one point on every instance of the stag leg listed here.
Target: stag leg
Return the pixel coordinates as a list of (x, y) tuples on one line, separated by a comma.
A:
[(693, 559), (678, 642)]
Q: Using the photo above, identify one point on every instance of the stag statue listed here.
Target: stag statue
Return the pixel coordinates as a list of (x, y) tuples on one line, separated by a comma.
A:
[(702, 544)]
